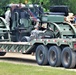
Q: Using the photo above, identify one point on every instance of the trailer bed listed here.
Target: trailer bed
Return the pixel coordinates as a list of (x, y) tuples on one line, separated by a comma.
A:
[(25, 47)]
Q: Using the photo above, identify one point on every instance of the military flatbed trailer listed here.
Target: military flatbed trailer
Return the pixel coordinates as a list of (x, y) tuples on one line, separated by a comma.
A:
[(55, 51), (56, 47)]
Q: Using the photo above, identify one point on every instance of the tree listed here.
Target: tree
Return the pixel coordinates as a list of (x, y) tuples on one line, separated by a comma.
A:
[(3, 3), (46, 3), (72, 6)]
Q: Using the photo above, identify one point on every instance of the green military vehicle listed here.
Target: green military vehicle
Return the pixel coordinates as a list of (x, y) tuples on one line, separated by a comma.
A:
[(23, 19), (56, 46)]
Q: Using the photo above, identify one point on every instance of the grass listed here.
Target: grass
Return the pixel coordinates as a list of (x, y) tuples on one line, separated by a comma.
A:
[(19, 69)]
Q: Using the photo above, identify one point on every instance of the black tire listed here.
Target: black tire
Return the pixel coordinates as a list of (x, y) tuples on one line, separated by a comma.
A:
[(59, 9), (41, 55), (25, 39), (49, 33), (54, 56), (68, 58), (2, 53)]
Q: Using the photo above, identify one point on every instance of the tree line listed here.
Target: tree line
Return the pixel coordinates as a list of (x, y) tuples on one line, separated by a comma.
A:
[(46, 3)]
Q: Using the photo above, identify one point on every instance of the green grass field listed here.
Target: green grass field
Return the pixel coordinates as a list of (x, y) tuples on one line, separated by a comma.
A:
[(19, 69)]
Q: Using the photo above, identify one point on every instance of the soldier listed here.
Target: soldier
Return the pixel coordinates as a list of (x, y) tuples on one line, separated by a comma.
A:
[(70, 18), (36, 31), (75, 19), (7, 16)]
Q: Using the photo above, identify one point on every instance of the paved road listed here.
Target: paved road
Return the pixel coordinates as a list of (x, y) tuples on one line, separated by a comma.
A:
[(17, 58)]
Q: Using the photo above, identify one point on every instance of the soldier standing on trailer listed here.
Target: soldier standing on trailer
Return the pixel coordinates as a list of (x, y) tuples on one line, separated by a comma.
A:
[(7, 16)]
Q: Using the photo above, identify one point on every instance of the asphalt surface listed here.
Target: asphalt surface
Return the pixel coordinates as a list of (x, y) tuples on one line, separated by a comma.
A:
[(18, 58), (26, 59)]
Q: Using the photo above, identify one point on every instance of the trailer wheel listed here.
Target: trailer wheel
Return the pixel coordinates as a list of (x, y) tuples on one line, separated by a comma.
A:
[(54, 55), (25, 39), (68, 58), (2, 53), (41, 55)]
